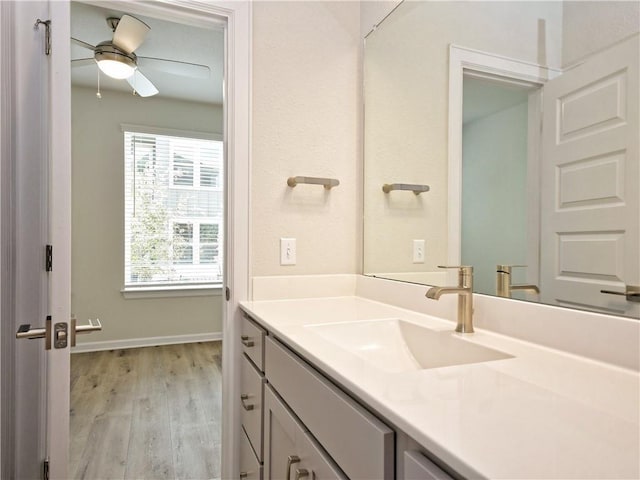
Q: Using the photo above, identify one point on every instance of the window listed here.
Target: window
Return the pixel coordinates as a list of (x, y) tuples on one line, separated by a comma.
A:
[(173, 210)]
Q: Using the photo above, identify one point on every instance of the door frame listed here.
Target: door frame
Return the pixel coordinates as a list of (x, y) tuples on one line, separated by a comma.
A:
[(516, 71), (237, 16), (7, 246)]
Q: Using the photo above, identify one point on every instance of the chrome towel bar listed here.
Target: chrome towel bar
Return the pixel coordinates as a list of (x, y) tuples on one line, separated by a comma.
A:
[(417, 189), (328, 183)]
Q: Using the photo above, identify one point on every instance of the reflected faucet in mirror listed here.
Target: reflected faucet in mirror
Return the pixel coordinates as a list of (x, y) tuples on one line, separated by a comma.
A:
[(465, 297), (504, 287)]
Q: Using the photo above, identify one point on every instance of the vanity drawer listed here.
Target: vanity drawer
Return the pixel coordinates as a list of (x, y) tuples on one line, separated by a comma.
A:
[(250, 468), (360, 444), (419, 467), (252, 401), (252, 338)]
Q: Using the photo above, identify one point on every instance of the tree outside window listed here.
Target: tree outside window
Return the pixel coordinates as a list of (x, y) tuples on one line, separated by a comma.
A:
[(173, 210)]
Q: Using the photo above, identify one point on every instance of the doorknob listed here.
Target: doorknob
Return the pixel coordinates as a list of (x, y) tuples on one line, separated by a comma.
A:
[(59, 334), (25, 331), (631, 292), (82, 329)]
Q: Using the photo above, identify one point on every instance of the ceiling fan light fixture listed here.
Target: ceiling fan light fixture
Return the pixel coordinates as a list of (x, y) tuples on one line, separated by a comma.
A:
[(115, 63), (116, 68)]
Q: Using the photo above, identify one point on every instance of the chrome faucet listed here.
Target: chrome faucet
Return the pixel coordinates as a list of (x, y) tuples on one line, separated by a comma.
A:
[(504, 285), (465, 297)]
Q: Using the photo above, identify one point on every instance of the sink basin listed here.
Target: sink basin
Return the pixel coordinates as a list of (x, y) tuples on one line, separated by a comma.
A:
[(396, 345)]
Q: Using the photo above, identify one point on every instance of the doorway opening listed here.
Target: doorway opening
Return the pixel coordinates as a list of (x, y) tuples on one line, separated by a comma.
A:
[(500, 180), (148, 216)]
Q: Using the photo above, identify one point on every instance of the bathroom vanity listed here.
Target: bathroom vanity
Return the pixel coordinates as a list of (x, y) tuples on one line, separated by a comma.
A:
[(296, 421), (349, 387)]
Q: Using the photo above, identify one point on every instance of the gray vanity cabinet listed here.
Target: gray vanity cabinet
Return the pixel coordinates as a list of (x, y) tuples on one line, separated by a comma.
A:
[(359, 442), (297, 424), (252, 400), (289, 451)]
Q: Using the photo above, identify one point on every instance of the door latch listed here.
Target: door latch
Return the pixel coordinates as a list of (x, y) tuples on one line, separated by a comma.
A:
[(60, 334)]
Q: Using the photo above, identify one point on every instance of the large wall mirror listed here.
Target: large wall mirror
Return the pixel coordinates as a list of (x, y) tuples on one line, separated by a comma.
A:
[(504, 135)]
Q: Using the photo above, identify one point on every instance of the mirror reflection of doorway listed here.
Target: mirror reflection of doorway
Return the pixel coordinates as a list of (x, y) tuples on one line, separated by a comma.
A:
[(148, 217), (499, 189)]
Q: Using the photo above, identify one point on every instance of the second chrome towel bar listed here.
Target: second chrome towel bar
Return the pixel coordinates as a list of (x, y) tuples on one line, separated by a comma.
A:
[(417, 189)]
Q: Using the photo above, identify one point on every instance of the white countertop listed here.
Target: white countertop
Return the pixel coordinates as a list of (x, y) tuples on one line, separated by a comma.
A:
[(541, 414)]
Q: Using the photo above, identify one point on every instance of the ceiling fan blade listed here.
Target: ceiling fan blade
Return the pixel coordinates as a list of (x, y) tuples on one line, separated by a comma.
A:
[(175, 67), (130, 33), (83, 44), (142, 85), (82, 62)]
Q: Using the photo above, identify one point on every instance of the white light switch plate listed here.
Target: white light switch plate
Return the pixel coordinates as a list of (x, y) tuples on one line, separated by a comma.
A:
[(287, 251), (418, 251)]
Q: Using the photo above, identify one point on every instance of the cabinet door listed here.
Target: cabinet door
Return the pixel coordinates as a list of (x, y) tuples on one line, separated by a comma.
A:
[(250, 468), (290, 452)]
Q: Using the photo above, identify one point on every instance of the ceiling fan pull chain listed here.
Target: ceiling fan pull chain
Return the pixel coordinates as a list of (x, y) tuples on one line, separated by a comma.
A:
[(98, 94)]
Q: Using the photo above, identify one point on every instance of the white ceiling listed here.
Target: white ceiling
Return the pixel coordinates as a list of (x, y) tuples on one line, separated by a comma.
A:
[(167, 40)]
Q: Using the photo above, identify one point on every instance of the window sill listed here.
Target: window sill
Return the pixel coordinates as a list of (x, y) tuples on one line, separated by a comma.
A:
[(172, 291)]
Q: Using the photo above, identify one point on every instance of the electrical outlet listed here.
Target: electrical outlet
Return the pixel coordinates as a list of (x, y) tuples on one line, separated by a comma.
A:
[(287, 251), (418, 251)]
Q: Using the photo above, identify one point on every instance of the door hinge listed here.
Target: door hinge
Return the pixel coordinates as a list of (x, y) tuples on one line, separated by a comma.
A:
[(48, 258), (47, 34), (227, 293), (45, 470)]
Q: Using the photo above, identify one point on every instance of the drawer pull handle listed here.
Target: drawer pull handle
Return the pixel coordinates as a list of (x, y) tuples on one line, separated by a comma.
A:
[(246, 342), (244, 474), (291, 459), (301, 473), (246, 406)]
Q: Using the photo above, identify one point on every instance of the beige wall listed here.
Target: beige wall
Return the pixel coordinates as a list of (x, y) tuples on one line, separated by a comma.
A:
[(591, 26), (406, 104), (306, 121), (98, 218)]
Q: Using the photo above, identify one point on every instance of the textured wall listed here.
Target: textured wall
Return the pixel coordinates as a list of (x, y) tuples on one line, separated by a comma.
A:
[(406, 104), (306, 121), (591, 26), (98, 218)]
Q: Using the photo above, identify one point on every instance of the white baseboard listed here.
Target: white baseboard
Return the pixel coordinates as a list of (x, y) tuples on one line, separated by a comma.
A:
[(145, 342)]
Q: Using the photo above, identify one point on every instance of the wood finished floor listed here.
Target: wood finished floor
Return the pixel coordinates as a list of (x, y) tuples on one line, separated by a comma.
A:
[(147, 413)]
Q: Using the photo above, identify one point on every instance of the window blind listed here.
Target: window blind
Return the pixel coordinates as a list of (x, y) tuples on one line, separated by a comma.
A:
[(173, 210)]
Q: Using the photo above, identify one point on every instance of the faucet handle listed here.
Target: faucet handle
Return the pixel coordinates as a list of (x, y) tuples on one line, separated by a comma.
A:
[(465, 275), (468, 269), (505, 268)]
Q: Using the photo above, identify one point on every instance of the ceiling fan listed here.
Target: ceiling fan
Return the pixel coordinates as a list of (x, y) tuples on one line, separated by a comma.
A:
[(116, 57)]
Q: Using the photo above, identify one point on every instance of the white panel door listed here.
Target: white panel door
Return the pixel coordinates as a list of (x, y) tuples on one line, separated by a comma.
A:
[(590, 180), (58, 359)]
